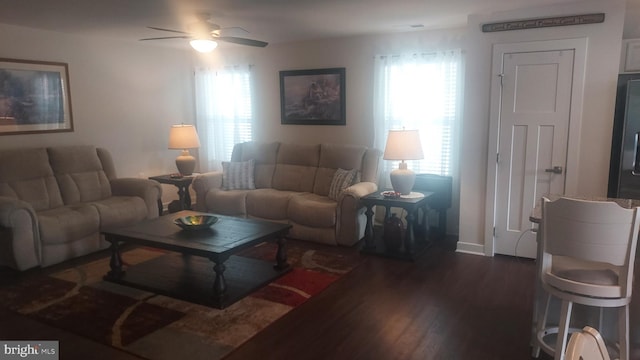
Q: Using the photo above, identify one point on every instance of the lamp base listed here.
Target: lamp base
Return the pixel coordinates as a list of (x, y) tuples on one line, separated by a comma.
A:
[(402, 179), (185, 163)]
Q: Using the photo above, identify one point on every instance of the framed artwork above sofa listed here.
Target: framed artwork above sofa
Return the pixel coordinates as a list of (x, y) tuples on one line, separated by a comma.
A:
[(34, 97), (313, 97)]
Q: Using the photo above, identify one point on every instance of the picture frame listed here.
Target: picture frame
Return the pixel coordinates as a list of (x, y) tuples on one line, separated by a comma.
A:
[(35, 97), (313, 97)]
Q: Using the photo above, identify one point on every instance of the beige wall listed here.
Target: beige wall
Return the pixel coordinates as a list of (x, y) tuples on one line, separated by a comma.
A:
[(597, 114)]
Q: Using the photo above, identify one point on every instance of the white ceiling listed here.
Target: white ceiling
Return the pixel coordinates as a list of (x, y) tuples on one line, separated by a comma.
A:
[(273, 21)]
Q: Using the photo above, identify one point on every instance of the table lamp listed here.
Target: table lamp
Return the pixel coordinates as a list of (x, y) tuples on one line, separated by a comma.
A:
[(403, 145), (184, 137)]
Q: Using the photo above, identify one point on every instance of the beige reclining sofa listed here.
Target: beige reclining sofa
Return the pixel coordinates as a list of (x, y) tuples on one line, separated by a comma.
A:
[(315, 188), (54, 202)]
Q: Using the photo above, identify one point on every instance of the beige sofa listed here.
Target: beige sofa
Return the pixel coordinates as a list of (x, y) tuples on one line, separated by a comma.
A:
[(54, 201), (293, 184)]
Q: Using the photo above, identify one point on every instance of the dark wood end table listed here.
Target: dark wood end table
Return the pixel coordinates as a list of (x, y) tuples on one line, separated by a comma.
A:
[(186, 271), (182, 183), (410, 248)]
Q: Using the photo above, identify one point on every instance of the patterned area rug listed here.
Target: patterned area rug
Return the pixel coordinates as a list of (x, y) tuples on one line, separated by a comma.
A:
[(159, 327)]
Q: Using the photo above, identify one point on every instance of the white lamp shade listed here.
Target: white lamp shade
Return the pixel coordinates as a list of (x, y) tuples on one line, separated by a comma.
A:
[(203, 45), (183, 137), (403, 145)]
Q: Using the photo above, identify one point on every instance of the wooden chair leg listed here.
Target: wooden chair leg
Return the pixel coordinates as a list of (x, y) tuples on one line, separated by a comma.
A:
[(563, 330)]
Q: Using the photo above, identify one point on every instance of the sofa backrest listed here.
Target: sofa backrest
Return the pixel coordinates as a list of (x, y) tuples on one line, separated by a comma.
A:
[(302, 167), (264, 155), (296, 167), (333, 157), (26, 174), (80, 173), (107, 163)]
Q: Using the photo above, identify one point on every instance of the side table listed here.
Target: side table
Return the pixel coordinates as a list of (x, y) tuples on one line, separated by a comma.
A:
[(182, 183), (410, 248)]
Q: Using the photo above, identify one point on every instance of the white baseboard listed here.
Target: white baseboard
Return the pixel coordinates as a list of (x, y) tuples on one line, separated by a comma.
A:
[(469, 248)]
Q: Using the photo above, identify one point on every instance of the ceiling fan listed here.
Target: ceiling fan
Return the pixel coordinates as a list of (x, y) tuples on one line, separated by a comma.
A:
[(204, 36)]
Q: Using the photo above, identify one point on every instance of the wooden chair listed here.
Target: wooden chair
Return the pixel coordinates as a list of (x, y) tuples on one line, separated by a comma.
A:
[(588, 253)]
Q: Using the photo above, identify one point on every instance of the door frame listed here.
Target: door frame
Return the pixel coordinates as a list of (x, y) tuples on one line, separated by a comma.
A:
[(579, 46)]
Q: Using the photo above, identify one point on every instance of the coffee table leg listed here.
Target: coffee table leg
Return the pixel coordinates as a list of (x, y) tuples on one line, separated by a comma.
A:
[(220, 284), (281, 254), (115, 263)]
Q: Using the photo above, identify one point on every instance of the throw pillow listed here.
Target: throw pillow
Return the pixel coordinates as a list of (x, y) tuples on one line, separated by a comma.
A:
[(342, 179), (238, 175)]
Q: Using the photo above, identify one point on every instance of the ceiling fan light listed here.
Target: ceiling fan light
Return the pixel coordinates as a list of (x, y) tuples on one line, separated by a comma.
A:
[(203, 45)]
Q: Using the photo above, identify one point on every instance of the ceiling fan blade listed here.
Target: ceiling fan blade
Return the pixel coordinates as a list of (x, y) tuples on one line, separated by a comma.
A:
[(167, 37), (161, 29), (242, 41)]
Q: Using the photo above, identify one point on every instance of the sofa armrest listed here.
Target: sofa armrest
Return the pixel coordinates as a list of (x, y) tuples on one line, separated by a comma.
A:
[(149, 190), (19, 234), (350, 212), (202, 184), (9, 207), (360, 189)]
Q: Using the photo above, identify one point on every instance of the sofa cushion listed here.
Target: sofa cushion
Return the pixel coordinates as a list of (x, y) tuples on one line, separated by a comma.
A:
[(120, 210), (25, 174), (68, 223), (296, 167), (269, 203), (231, 202), (312, 210), (342, 179), (79, 173), (238, 175)]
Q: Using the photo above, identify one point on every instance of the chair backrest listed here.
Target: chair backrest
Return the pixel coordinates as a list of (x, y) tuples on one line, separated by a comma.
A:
[(586, 345), (595, 231)]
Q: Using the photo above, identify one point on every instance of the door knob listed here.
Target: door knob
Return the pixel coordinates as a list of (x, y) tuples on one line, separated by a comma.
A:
[(555, 170)]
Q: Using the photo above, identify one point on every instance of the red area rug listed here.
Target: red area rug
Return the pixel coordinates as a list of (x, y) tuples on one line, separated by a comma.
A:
[(158, 327)]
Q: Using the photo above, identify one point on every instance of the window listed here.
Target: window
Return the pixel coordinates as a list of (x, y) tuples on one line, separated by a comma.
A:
[(420, 91), (223, 113)]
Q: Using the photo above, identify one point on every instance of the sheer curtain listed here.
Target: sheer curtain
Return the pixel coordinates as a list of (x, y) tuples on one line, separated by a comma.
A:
[(420, 91), (224, 115)]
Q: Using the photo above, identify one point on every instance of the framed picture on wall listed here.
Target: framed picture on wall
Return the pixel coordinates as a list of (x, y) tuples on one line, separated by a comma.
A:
[(313, 97), (34, 97)]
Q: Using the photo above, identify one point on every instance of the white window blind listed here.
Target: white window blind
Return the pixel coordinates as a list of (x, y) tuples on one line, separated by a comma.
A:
[(224, 114), (420, 91)]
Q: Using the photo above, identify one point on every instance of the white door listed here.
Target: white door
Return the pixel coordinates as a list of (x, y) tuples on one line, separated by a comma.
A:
[(534, 115)]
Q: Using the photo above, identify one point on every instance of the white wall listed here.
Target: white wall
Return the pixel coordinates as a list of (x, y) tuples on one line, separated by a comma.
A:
[(599, 95), (125, 96)]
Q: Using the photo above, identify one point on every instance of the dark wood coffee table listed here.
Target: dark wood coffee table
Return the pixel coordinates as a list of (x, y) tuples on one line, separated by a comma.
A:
[(186, 272)]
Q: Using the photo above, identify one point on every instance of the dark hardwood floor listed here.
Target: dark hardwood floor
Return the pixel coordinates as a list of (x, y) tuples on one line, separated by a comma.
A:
[(446, 305)]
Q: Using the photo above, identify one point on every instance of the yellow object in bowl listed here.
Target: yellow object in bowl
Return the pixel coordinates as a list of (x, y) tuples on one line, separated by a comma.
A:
[(196, 222)]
